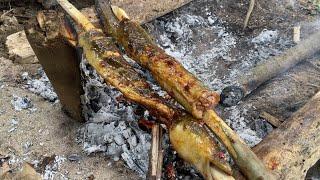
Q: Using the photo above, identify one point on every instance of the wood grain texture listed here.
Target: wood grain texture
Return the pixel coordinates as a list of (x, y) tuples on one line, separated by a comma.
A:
[(144, 11), (291, 149)]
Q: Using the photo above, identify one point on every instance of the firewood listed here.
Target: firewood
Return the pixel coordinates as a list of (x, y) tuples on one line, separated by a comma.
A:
[(171, 75), (271, 119), (59, 60), (269, 69), (155, 167), (291, 149)]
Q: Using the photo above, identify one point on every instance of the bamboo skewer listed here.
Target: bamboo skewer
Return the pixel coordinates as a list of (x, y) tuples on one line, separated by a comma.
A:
[(139, 46), (103, 55)]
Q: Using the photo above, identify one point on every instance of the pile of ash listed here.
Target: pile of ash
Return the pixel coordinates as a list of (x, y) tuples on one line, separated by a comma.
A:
[(111, 124), (40, 86)]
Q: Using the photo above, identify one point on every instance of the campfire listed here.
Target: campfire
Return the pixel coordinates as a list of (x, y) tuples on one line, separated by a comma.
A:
[(141, 104)]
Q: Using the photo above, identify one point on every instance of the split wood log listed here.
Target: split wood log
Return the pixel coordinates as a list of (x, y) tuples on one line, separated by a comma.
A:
[(291, 149), (231, 95), (58, 59)]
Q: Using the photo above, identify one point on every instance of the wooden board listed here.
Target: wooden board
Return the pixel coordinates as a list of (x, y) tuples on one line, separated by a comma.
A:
[(146, 10)]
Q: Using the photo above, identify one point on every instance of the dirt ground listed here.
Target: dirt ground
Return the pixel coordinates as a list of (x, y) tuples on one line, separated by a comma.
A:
[(47, 132)]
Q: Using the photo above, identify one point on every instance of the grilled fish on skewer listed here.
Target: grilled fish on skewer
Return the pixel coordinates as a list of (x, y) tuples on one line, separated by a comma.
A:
[(174, 78), (169, 73), (102, 54)]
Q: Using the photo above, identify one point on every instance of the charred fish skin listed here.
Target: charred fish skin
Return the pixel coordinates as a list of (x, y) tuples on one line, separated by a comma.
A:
[(103, 55), (167, 71), (193, 143)]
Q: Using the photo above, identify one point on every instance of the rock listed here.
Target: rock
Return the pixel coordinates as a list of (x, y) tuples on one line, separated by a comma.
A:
[(9, 24), (74, 158), (19, 49)]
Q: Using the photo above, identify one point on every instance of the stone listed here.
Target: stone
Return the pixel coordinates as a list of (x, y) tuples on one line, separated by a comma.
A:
[(74, 158), (19, 49)]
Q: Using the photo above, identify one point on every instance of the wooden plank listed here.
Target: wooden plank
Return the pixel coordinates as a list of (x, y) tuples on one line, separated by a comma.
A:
[(146, 10)]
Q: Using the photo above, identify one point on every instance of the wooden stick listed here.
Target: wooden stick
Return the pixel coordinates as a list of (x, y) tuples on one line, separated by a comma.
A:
[(76, 15), (156, 153), (291, 149), (271, 119), (248, 15), (296, 34), (231, 95)]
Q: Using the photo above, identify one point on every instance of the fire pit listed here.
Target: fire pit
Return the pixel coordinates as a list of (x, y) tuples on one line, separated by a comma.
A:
[(215, 53)]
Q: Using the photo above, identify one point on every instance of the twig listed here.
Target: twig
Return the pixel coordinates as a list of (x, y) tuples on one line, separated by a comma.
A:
[(296, 34), (271, 119), (251, 6), (156, 156), (4, 14)]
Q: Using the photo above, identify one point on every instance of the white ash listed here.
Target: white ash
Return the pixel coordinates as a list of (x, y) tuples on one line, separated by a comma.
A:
[(52, 172), (14, 124), (236, 120), (20, 103), (178, 39), (111, 126), (267, 44), (265, 36), (40, 86)]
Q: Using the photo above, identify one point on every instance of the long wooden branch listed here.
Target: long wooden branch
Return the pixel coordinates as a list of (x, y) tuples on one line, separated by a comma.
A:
[(291, 149), (103, 55), (247, 83), (184, 87)]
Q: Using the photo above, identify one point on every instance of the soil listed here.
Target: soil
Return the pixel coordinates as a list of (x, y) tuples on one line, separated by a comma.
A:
[(48, 131), (51, 132)]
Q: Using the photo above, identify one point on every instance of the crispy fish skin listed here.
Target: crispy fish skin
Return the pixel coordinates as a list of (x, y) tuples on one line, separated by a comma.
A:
[(193, 143), (104, 56), (167, 71)]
